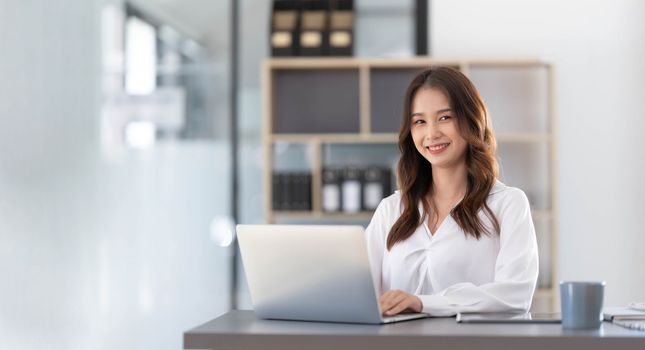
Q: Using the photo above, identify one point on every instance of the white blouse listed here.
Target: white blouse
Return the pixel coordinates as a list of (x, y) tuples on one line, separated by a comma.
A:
[(451, 272)]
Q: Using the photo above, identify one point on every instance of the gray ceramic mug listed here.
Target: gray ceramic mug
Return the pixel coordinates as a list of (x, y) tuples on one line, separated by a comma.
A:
[(581, 304)]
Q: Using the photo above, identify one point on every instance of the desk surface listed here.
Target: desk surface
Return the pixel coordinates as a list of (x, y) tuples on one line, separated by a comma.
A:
[(243, 330)]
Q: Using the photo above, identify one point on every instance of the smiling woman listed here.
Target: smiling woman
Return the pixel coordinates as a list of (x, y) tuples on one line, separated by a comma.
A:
[(449, 128), (453, 239)]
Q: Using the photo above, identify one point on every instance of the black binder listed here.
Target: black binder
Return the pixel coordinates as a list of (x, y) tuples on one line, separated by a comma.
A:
[(284, 31), (300, 191), (311, 9), (341, 34), (306, 190), (276, 189)]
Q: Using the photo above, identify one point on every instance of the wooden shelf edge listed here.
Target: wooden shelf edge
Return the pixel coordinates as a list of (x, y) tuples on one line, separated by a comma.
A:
[(359, 137), (336, 138), (411, 62), (312, 215)]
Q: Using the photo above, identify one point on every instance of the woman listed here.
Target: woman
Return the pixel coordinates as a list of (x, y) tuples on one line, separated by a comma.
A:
[(453, 239)]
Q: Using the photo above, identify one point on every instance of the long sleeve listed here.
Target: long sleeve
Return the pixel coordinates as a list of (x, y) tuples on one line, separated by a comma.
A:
[(516, 269), (376, 232)]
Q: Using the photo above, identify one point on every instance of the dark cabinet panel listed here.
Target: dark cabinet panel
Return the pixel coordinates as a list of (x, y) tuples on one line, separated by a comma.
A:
[(316, 101)]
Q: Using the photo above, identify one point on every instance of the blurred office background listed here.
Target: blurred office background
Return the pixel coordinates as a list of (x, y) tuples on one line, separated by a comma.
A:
[(115, 231)]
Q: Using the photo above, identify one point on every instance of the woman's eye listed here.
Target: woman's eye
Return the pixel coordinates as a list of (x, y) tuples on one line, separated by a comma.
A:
[(418, 121), (445, 117)]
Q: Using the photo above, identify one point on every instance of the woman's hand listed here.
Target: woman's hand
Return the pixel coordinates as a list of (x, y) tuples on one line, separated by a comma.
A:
[(396, 301)]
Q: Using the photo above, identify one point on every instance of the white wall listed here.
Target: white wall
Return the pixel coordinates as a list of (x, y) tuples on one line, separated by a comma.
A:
[(95, 253), (598, 53)]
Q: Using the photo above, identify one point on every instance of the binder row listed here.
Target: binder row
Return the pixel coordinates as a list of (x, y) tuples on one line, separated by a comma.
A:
[(348, 190), (354, 189), (291, 191), (312, 28)]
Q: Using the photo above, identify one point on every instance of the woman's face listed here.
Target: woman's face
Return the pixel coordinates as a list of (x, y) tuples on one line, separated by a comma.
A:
[(435, 129)]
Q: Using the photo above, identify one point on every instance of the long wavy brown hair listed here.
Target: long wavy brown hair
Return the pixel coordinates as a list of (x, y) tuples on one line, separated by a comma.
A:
[(415, 172)]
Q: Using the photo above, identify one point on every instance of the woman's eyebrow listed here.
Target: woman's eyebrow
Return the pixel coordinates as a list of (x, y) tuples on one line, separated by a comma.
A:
[(420, 114)]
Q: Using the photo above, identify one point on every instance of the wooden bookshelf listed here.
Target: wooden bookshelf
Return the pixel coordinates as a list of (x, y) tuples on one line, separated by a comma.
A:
[(523, 121)]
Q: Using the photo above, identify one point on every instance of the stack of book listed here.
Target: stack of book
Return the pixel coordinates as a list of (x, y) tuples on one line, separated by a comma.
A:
[(627, 317), (291, 191)]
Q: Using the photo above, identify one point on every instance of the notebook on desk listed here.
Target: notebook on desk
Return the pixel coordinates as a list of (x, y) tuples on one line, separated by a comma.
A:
[(505, 317), (622, 313), (311, 273), (625, 317)]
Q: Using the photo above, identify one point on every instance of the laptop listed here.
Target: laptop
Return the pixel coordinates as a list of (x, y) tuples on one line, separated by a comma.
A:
[(311, 273)]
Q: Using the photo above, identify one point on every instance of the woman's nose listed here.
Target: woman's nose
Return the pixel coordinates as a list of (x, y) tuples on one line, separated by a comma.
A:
[(433, 132)]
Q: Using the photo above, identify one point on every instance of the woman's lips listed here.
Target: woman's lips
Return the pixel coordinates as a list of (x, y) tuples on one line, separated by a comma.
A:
[(436, 149)]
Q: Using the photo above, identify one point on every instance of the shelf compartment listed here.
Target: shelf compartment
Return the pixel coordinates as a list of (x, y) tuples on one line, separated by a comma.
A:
[(516, 96), (359, 175), (292, 156), (346, 154), (316, 101), (292, 176), (387, 92), (337, 138)]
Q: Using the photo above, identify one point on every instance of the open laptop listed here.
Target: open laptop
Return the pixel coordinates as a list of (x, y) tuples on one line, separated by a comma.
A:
[(311, 273)]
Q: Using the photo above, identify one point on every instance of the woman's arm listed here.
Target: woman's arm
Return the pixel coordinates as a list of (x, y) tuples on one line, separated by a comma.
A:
[(376, 233)]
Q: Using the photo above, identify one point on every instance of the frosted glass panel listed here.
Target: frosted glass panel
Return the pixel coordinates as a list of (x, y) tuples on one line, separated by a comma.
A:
[(103, 245), (517, 97)]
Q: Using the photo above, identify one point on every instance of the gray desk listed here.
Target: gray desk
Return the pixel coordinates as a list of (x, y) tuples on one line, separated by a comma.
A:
[(242, 330)]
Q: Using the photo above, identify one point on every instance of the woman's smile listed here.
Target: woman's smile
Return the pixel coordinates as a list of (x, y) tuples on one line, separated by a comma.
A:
[(437, 148)]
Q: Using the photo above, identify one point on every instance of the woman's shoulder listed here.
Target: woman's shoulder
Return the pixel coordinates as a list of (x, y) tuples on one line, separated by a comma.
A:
[(384, 217), (506, 195), (390, 204)]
